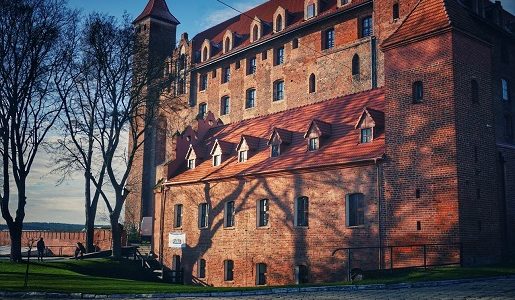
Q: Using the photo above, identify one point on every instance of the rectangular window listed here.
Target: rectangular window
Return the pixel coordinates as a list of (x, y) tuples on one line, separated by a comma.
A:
[(203, 214), (203, 82), (229, 214), (217, 160), (301, 211), (279, 56), (242, 156), (191, 164), (213, 74), (251, 65), (228, 270), (310, 11), (225, 106), (329, 39), (177, 216), (418, 92), (505, 90), (366, 27), (313, 144), (355, 210), (366, 135), (226, 74), (260, 274), (264, 55), (275, 150), (251, 98), (201, 273), (202, 110), (263, 213), (279, 90)]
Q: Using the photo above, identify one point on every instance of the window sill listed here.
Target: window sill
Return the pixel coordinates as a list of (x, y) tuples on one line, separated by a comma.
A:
[(357, 227), (203, 228), (277, 101), (263, 227), (230, 228), (250, 108), (177, 228)]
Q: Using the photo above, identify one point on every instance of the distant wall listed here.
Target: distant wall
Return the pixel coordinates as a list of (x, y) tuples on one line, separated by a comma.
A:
[(63, 243)]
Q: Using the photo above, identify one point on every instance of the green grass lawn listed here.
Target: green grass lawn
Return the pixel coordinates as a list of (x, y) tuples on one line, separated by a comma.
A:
[(104, 276)]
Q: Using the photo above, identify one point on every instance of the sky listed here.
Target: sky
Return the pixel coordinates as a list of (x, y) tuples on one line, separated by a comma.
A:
[(49, 202)]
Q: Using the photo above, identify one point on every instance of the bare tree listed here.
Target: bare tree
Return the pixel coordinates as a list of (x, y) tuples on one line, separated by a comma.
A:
[(34, 51)]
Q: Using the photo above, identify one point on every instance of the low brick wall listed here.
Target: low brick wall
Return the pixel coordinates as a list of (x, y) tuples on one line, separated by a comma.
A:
[(63, 243)]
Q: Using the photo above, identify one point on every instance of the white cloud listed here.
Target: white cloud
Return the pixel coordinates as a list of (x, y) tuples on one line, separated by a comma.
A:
[(224, 13)]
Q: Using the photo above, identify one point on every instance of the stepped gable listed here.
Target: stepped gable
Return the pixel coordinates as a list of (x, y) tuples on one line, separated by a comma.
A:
[(158, 10), (432, 16), (240, 24), (341, 147)]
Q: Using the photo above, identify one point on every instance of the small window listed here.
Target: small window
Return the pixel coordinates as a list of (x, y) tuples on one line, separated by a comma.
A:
[(314, 144), (203, 82), (301, 274), (177, 216), (355, 210), (264, 55), (262, 213), (301, 211), (250, 102), (229, 214), (329, 38), (225, 106), (312, 83), (228, 270), (227, 45), (295, 43), (204, 54), (202, 110), (310, 11), (251, 65), (508, 127), (275, 150), (355, 65), (242, 156), (217, 160), (418, 92), (279, 90), (395, 11), (505, 90), (201, 272), (191, 164), (366, 135), (260, 274), (255, 33), (474, 90), (203, 214), (279, 23), (366, 26), (237, 65), (226, 74), (279, 56), (213, 74)]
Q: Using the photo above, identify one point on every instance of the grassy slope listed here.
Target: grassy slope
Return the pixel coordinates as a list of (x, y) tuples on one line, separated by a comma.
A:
[(102, 276)]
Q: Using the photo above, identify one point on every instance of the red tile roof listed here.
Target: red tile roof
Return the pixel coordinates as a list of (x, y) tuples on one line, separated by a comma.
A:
[(340, 148), (430, 16), (240, 25), (159, 10)]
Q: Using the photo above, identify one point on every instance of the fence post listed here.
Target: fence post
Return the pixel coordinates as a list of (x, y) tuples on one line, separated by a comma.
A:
[(348, 265), (425, 257)]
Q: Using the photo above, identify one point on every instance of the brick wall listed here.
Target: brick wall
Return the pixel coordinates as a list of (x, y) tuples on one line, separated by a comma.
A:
[(281, 245)]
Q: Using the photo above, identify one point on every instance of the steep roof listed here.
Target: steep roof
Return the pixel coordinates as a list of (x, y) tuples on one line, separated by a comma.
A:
[(159, 10), (430, 16), (341, 147), (240, 24)]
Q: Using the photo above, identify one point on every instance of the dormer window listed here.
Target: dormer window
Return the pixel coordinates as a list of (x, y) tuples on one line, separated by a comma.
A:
[(314, 144), (280, 19), (243, 156), (246, 147), (310, 11), (217, 160), (191, 164), (278, 140), (228, 41), (275, 150), (370, 123), (279, 23), (221, 150), (192, 155), (256, 30), (206, 50)]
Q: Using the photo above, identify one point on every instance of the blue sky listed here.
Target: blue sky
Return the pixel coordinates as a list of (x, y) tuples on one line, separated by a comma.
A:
[(48, 202)]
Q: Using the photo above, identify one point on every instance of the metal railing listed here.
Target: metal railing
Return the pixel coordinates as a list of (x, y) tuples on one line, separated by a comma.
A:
[(421, 254)]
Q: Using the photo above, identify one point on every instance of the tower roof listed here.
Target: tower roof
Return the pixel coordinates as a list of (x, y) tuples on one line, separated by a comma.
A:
[(159, 10)]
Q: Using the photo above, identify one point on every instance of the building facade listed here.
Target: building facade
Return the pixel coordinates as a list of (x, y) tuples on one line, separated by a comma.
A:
[(314, 125)]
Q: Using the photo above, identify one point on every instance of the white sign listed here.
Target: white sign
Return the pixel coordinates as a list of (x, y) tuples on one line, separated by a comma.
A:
[(177, 240)]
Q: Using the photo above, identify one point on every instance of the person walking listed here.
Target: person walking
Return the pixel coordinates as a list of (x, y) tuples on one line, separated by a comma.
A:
[(41, 249)]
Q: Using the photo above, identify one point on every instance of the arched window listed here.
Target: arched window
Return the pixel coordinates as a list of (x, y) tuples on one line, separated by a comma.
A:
[(301, 211), (312, 83), (204, 54), (279, 23), (395, 11), (474, 89), (255, 33), (227, 45), (418, 92), (355, 65)]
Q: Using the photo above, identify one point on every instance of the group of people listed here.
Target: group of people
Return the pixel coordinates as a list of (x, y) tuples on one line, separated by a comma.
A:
[(41, 247)]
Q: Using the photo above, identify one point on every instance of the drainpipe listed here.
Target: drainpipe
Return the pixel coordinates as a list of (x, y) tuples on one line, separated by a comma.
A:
[(379, 205), (162, 223), (373, 50)]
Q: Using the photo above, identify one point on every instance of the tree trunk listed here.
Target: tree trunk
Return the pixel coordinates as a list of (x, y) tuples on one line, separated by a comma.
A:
[(90, 233), (116, 235), (15, 232)]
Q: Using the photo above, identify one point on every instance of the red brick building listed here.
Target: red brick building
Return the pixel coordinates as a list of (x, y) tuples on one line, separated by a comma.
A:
[(315, 125)]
